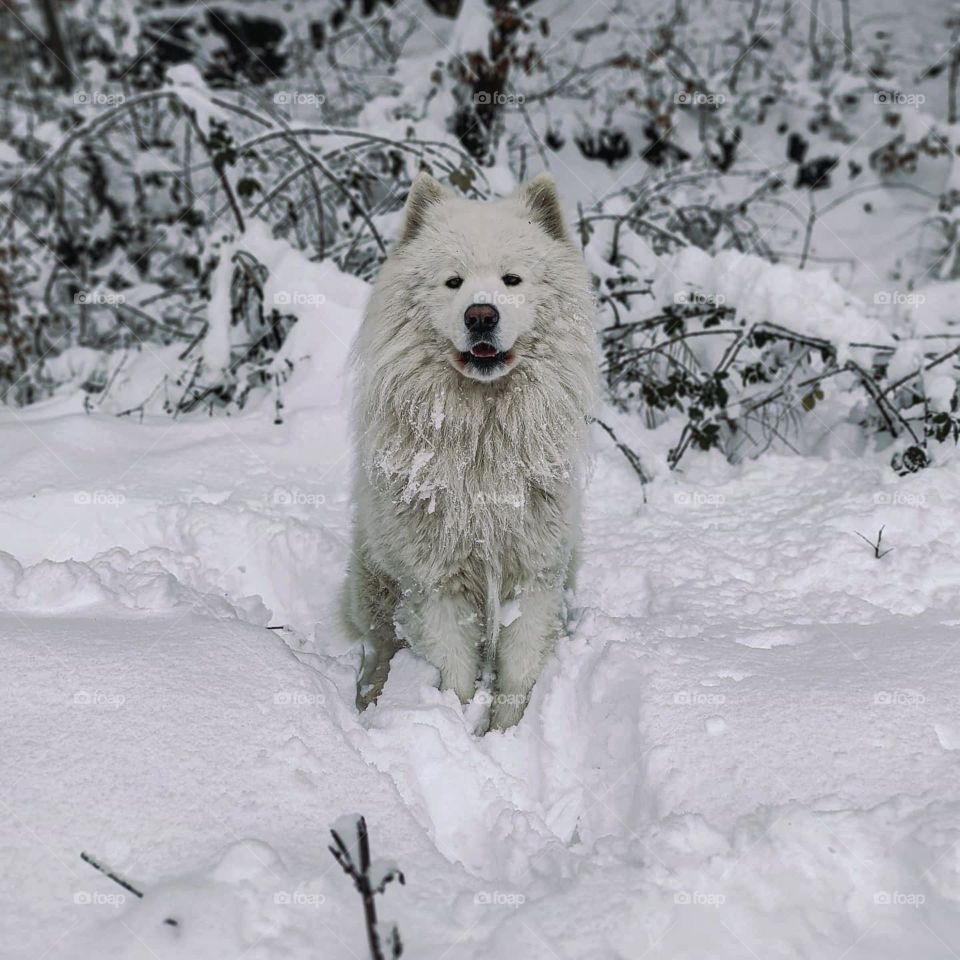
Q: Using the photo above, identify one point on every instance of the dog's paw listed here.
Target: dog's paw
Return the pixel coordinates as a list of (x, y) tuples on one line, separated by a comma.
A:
[(506, 711), (367, 694)]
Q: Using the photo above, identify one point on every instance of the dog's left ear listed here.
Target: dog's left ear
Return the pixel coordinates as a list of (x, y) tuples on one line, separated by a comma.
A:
[(424, 193), (540, 198)]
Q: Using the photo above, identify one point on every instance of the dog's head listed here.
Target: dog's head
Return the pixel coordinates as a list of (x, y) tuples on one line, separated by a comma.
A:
[(480, 276)]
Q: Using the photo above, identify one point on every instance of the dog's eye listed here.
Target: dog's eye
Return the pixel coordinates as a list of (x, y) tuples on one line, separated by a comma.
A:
[(510, 279), (454, 283)]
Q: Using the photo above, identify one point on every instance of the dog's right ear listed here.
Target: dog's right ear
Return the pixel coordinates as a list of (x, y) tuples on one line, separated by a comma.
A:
[(540, 198), (424, 194)]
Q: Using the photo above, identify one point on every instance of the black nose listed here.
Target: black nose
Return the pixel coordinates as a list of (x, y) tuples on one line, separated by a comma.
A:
[(481, 317)]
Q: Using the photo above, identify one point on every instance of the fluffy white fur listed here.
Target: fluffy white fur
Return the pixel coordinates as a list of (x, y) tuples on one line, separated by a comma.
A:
[(466, 482)]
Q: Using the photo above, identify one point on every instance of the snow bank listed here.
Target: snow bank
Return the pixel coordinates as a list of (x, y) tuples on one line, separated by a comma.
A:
[(746, 745), (326, 303), (810, 303), (116, 581)]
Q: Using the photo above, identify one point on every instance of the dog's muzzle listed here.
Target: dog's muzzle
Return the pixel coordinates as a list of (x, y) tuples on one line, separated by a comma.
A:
[(483, 359)]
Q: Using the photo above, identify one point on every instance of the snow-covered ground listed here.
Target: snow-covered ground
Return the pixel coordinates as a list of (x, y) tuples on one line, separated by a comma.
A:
[(747, 747)]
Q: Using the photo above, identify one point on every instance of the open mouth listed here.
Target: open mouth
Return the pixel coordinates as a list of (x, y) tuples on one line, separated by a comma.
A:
[(484, 356)]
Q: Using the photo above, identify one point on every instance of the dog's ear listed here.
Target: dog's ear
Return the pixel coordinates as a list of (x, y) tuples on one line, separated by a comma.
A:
[(425, 192), (540, 198)]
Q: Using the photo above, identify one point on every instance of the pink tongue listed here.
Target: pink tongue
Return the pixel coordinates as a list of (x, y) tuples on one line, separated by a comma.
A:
[(484, 350)]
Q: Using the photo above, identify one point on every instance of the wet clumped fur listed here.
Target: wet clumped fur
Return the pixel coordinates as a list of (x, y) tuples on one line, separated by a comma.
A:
[(468, 429)]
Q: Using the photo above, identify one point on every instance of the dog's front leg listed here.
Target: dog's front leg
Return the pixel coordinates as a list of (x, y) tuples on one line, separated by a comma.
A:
[(521, 649), (449, 637)]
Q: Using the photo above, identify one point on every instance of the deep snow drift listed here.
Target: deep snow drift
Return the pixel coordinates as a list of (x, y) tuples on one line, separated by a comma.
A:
[(747, 747)]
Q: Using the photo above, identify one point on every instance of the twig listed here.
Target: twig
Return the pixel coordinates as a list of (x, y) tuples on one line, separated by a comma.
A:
[(808, 232), (916, 373), (883, 405), (359, 872), (812, 37), (86, 858), (952, 76), (217, 167), (632, 457), (877, 552), (847, 35), (631, 355), (116, 878)]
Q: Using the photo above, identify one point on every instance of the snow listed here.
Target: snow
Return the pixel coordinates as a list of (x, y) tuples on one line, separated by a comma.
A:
[(216, 341), (939, 390), (746, 745), (810, 303), (185, 80), (9, 154)]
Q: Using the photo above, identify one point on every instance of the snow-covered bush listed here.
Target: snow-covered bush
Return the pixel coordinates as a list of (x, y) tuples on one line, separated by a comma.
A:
[(744, 350), (116, 234), (710, 309), (150, 165)]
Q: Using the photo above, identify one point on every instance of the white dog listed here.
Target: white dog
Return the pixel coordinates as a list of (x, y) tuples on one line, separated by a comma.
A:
[(476, 371)]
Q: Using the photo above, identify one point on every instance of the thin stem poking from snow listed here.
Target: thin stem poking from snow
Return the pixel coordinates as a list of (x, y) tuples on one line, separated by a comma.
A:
[(877, 552), (632, 457), (107, 872), (117, 879), (356, 864)]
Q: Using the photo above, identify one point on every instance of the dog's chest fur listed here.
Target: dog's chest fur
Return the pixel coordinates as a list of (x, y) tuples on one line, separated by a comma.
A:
[(462, 484)]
